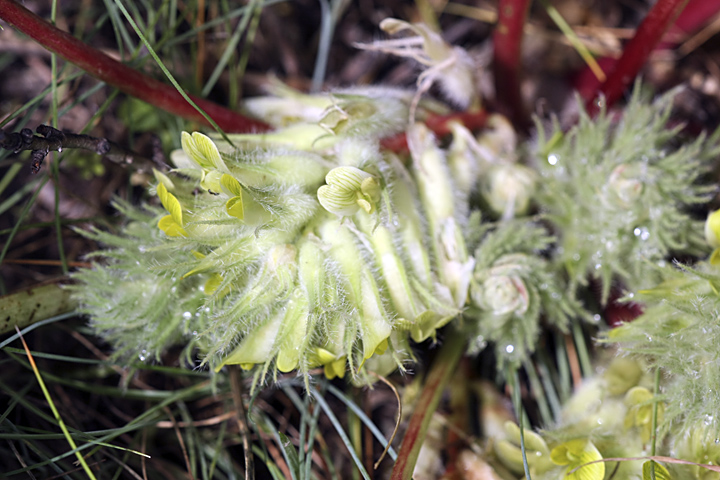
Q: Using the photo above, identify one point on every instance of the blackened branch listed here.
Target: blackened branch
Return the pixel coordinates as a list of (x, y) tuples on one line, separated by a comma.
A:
[(53, 140)]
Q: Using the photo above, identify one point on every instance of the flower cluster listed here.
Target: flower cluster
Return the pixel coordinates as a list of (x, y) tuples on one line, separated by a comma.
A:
[(301, 248), (310, 247)]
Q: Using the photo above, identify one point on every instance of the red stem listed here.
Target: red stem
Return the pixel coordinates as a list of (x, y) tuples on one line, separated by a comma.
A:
[(440, 126), (121, 76), (435, 383), (507, 42), (648, 35)]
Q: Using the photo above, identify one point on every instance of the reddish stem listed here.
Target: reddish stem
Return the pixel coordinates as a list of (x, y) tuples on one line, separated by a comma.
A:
[(648, 35), (440, 126), (121, 76), (507, 42), (435, 383)]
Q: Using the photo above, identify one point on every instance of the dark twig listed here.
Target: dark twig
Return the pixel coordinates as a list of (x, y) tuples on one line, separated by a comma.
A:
[(53, 140), (121, 76)]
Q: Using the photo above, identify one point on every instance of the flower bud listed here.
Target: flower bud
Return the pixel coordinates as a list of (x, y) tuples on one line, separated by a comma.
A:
[(502, 293), (624, 186), (712, 229), (348, 190), (508, 189), (202, 151)]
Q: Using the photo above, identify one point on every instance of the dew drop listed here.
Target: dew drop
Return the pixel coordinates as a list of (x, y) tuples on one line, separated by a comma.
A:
[(576, 257), (59, 149), (553, 159), (142, 248), (641, 232), (187, 315), (142, 355), (597, 317), (510, 348)]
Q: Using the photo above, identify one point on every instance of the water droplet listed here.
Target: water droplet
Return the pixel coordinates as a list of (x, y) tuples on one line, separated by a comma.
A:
[(553, 159), (598, 266), (142, 248), (59, 149), (597, 317), (510, 348), (173, 289), (576, 257), (194, 333), (142, 355), (207, 309), (187, 315), (641, 232)]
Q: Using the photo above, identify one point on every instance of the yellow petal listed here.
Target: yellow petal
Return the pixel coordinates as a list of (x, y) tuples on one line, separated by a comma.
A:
[(212, 283), (577, 453), (201, 150), (235, 208), (336, 368), (661, 473), (231, 184), (167, 224), (171, 204)]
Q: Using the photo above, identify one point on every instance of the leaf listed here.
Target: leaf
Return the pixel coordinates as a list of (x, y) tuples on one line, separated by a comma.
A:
[(33, 305), (171, 204)]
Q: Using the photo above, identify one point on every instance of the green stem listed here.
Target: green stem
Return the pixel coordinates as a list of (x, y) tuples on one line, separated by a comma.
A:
[(435, 384)]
